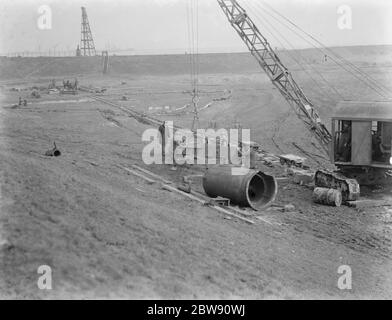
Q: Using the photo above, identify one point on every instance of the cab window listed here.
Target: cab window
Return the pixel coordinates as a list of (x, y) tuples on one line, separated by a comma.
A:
[(381, 142), (343, 140)]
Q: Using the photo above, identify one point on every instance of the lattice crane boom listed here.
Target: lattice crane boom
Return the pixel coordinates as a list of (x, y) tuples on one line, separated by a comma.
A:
[(279, 75)]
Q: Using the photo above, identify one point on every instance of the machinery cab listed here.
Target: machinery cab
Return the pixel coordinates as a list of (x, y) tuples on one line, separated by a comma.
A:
[(362, 135)]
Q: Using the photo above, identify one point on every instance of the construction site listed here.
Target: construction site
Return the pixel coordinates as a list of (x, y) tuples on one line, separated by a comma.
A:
[(310, 193)]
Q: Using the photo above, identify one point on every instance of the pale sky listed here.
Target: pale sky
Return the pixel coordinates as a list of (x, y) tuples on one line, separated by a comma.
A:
[(160, 26)]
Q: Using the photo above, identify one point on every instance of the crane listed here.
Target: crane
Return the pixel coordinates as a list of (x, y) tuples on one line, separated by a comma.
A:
[(283, 80), (275, 69)]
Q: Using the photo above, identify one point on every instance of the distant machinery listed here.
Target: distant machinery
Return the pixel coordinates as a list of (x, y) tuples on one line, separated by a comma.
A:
[(87, 47), (70, 87)]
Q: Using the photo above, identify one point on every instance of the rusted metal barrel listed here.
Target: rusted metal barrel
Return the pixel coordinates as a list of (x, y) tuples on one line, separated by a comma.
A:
[(253, 188), (330, 197)]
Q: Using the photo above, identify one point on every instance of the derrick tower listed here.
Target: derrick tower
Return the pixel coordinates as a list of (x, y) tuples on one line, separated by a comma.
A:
[(87, 46)]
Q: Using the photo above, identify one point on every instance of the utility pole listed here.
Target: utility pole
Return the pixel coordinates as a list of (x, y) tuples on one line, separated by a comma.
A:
[(105, 61), (54, 49), (87, 46)]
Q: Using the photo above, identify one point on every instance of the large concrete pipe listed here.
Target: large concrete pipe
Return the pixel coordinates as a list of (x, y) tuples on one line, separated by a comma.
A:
[(252, 189)]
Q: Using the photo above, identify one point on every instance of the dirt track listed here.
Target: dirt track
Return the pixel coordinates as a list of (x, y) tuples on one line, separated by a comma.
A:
[(109, 234)]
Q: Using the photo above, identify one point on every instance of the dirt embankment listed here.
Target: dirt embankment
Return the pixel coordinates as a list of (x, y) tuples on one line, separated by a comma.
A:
[(14, 68)]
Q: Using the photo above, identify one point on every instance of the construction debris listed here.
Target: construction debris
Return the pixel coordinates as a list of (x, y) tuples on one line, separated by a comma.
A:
[(35, 94), (191, 178), (292, 160), (219, 201), (267, 158), (288, 208), (189, 194), (184, 187), (53, 152), (301, 177), (195, 198), (368, 203), (227, 97)]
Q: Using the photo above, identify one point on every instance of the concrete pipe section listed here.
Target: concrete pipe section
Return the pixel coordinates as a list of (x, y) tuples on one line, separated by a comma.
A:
[(252, 188)]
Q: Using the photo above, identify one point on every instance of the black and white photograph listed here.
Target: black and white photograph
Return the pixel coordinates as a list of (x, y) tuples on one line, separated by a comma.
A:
[(210, 151)]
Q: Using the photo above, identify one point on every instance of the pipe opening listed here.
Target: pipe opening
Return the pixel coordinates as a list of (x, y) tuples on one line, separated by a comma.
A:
[(261, 191), (256, 189)]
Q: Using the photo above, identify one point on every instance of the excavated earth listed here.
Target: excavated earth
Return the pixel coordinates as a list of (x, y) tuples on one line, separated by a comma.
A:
[(108, 234)]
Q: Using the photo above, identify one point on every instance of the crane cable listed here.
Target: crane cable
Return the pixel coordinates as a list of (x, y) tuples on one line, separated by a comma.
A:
[(353, 66), (343, 63), (269, 25), (193, 42)]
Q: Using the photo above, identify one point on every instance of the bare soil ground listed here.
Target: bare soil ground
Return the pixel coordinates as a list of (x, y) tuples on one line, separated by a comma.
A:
[(107, 234)]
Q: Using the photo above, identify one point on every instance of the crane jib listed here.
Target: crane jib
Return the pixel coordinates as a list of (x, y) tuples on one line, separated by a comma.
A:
[(279, 75)]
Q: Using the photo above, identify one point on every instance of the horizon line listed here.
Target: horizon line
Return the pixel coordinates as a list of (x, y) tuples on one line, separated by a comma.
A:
[(138, 52)]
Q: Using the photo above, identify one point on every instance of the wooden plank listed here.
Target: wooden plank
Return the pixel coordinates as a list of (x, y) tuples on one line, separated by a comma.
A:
[(188, 195), (200, 195), (137, 174), (224, 211), (219, 209), (266, 221), (243, 212), (369, 203), (151, 174)]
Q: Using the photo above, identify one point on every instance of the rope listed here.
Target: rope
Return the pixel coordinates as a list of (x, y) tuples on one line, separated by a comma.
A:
[(193, 41), (291, 55), (336, 58)]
